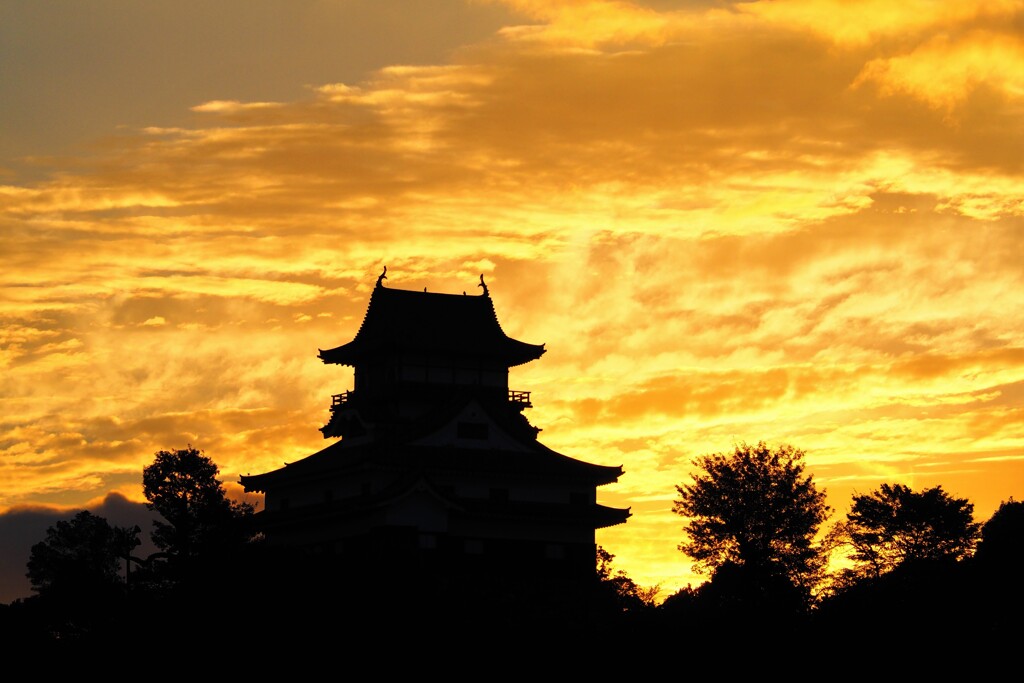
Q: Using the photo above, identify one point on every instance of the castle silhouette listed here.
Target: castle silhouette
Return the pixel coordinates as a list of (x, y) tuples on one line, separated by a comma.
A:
[(435, 468)]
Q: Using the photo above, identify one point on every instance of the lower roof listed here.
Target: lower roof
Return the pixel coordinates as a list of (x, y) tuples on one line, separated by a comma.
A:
[(339, 458)]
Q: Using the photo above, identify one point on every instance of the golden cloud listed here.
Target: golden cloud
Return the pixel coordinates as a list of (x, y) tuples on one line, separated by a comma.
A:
[(944, 73)]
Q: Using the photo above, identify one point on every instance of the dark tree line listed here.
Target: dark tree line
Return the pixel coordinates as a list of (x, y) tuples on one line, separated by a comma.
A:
[(755, 515), (913, 564), (90, 586), (915, 567)]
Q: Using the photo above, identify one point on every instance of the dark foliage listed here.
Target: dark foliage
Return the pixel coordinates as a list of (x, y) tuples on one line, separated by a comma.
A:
[(81, 555), (182, 486), (76, 572), (895, 525), (752, 517), (616, 592), (1002, 537)]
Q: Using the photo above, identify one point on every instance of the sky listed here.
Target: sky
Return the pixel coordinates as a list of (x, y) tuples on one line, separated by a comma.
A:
[(798, 222)]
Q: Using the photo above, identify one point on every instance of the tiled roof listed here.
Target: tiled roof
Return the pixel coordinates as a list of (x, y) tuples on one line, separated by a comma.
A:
[(542, 462), (407, 482), (459, 324)]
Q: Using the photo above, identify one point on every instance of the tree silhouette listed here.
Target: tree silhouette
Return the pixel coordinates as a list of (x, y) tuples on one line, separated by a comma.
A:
[(618, 590), (752, 517), (80, 556), (1002, 537), (997, 597), (914, 579), (76, 572), (894, 526), (200, 521)]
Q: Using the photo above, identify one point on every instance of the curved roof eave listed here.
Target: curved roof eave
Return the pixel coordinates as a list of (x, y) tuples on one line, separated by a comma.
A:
[(398, 319), (511, 353)]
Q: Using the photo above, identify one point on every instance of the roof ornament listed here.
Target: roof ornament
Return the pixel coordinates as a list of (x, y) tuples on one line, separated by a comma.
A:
[(484, 285), (383, 276)]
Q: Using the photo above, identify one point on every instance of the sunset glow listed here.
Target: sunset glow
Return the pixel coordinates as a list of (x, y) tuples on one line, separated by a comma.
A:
[(797, 221)]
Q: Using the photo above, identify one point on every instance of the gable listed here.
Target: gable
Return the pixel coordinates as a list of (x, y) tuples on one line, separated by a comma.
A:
[(419, 508), (473, 428)]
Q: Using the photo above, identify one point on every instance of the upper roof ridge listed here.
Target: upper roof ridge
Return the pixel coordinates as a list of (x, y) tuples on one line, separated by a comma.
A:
[(432, 322)]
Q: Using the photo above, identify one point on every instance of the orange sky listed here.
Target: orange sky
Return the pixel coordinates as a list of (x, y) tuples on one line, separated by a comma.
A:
[(797, 221)]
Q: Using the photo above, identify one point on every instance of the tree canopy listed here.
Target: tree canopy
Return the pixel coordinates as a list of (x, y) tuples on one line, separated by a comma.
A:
[(1002, 536), (754, 511), (81, 556), (182, 486), (895, 525)]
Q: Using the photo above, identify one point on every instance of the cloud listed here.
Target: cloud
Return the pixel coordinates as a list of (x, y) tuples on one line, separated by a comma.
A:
[(862, 22), (943, 73), (232, 106)]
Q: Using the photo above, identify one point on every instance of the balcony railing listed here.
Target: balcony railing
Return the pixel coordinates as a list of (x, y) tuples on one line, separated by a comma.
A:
[(519, 398)]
